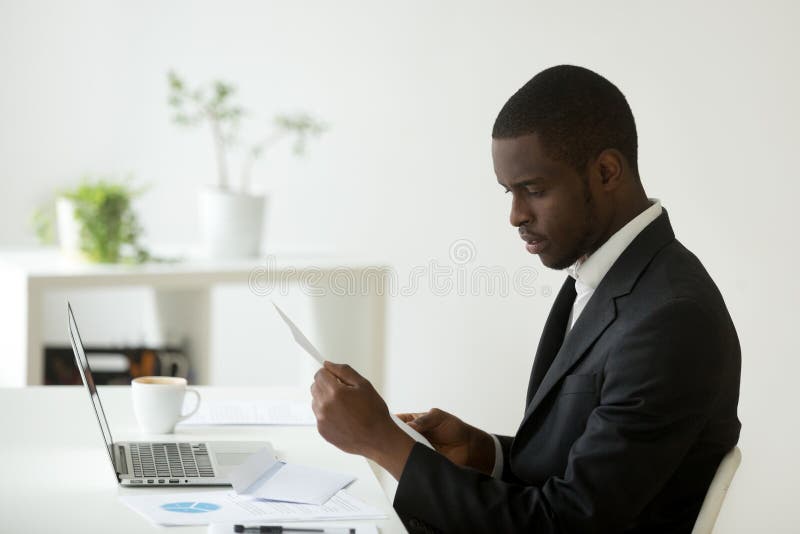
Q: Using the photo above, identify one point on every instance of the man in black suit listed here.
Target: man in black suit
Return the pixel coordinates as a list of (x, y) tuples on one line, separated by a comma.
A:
[(633, 395)]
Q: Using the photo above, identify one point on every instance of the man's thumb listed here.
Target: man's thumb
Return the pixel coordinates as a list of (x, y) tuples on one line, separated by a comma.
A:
[(424, 421), (344, 372)]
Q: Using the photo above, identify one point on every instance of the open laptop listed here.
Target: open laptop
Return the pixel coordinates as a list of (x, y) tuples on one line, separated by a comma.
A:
[(162, 463)]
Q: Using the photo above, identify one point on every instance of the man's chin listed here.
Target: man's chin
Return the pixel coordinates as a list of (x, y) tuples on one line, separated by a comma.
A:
[(555, 262)]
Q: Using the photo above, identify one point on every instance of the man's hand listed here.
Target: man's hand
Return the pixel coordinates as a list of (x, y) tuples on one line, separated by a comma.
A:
[(461, 443), (352, 416)]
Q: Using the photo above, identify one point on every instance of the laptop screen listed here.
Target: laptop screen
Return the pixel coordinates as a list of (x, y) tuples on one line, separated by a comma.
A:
[(88, 381)]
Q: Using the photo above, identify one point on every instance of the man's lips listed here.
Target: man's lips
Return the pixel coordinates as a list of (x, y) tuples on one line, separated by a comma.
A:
[(534, 244)]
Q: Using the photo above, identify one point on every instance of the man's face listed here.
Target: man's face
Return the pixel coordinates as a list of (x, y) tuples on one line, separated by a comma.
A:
[(552, 204)]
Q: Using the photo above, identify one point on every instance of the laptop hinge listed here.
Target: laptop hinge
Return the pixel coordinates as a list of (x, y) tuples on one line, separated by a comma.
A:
[(122, 460)]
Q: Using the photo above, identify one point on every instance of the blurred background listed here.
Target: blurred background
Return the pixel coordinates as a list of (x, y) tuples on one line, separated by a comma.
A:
[(401, 180)]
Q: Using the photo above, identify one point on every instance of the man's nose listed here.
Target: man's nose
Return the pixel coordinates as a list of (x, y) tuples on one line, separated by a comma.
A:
[(520, 212)]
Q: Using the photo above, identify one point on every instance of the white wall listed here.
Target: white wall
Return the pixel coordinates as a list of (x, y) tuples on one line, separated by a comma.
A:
[(410, 90)]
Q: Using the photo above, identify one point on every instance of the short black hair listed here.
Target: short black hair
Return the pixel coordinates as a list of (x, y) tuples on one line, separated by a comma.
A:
[(575, 112)]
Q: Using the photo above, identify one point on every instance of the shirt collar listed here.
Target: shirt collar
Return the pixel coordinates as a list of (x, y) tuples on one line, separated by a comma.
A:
[(590, 270)]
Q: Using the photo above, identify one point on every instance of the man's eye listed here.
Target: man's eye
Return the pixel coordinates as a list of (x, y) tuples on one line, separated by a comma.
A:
[(534, 192)]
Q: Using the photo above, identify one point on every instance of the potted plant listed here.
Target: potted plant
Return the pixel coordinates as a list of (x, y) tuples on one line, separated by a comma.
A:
[(231, 217), (94, 222)]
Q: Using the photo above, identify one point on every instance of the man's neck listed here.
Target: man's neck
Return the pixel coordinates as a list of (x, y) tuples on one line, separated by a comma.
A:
[(622, 217), (590, 269)]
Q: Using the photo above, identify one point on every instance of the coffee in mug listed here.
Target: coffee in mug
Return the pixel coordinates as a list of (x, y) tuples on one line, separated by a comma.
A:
[(158, 402)]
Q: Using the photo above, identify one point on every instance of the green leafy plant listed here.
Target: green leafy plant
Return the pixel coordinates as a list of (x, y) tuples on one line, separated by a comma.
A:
[(109, 229), (213, 104), (43, 226)]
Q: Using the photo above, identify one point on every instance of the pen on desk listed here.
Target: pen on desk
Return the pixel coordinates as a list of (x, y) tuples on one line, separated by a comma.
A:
[(277, 529), (272, 529)]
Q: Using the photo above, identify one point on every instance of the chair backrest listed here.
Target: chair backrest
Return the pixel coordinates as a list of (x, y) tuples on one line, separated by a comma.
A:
[(716, 492)]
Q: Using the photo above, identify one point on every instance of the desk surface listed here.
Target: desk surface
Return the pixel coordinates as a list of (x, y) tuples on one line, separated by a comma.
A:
[(57, 477)]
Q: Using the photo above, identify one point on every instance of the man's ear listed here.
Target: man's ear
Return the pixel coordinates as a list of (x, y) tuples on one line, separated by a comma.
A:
[(610, 165)]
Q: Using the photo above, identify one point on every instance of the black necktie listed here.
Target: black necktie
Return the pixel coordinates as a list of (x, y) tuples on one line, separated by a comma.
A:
[(552, 336)]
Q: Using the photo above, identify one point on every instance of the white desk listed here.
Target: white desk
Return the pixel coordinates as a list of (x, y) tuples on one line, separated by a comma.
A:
[(347, 303), (56, 477)]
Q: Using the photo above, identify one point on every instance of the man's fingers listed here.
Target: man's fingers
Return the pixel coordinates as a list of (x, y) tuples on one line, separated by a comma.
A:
[(426, 421), (323, 389), (326, 380), (410, 418), (344, 372), (421, 423)]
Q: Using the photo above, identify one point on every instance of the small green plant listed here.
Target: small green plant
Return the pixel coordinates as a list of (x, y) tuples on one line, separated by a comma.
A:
[(109, 229), (214, 104)]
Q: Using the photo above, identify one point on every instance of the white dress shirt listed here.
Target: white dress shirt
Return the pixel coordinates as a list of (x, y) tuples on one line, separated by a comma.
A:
[(588, 271)]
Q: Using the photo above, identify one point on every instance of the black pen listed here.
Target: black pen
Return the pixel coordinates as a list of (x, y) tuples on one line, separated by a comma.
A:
[(277, 529)]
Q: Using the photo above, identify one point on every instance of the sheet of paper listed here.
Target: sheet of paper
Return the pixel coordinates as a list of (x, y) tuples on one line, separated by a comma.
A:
[(262, 476), (258, 412), (299, 337), (303, 341), (368, 528), (225, 506), (416, 436)]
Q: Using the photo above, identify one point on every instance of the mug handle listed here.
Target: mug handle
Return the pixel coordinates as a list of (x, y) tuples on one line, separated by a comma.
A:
[(196, 406)]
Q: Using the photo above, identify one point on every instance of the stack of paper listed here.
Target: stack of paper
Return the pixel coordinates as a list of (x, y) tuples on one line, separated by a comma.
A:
[(260, 412), (264, 490), (225, 506)]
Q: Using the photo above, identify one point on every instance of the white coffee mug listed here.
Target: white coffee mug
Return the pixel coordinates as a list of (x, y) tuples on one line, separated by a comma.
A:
[(158, 402)]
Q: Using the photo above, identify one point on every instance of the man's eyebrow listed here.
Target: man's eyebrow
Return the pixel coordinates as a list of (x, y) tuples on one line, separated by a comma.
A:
[(526, 181)]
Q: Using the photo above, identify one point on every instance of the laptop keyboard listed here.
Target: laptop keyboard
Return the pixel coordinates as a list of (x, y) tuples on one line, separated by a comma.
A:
[(170, 460)]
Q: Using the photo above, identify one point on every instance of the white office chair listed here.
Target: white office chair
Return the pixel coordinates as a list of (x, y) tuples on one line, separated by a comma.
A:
[(716, 492)]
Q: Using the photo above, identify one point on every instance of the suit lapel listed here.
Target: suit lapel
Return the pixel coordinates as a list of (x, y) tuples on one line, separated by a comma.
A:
[(595, 318), (600, 311)]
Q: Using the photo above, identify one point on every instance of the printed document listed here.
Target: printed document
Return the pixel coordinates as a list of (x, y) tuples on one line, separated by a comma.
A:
[(312, 351), (300, 337), (225, 506)]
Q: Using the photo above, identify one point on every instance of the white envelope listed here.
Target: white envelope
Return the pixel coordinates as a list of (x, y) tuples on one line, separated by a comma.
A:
[(264, 477)]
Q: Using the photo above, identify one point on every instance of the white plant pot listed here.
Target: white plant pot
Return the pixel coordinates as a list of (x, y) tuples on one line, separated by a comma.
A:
[(69, 229), (231, 223)]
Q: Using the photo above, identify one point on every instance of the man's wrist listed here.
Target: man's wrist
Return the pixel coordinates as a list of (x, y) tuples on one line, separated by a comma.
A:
[(392, 450), (481, 451)]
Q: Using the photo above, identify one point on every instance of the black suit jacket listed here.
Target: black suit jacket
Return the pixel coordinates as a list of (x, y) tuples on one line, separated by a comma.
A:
[(624, 430)]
